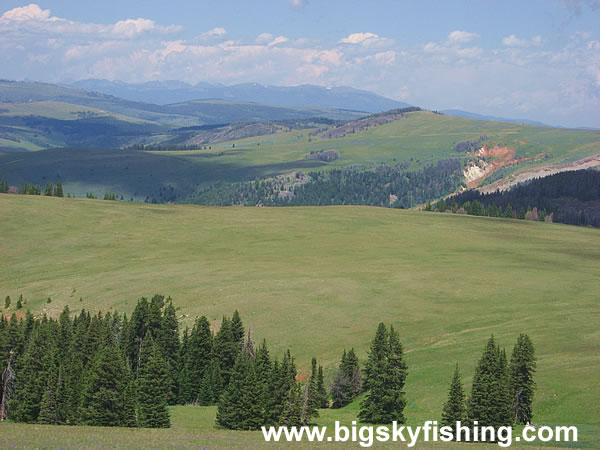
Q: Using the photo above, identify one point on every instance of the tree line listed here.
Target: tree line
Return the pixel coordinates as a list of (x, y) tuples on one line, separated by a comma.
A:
[(567, 197), (394, 187), (51, 189), (114, 370)]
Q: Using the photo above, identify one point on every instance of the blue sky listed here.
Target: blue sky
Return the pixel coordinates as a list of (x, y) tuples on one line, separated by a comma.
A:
[(528, 59)]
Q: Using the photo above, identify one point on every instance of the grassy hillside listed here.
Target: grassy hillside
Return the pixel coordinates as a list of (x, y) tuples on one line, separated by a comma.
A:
[(45, 124), (426, 136), (318, 280), (419, 139)]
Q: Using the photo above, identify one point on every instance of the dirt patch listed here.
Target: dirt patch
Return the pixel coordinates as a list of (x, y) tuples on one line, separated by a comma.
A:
[(487, 161), (540, 172)]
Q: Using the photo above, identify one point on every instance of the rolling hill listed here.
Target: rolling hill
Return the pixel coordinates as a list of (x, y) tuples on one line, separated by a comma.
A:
[(199, 111), (413, 141), (38, 115), (318, 280)]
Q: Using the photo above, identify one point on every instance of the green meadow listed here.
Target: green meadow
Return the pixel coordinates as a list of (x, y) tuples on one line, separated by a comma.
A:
[(419, 139), (422, 137), (316, 281)]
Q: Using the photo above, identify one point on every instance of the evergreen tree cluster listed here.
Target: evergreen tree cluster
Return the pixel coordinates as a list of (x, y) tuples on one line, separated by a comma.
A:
[(114, 370), (394, 187), (502, 391), (264, 391), (567, 197), (51, 189), (104, 370)]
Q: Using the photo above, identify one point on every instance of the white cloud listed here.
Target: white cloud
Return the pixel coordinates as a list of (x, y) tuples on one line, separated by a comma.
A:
[(357, 38), (215, 33), (298, 4), (461, 37), (131, 27), (514, 41), (32, 19), (27, 13), (278, 40), (264, 38)]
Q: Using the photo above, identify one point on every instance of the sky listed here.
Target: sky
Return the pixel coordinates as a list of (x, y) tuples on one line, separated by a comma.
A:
[(534, 59)]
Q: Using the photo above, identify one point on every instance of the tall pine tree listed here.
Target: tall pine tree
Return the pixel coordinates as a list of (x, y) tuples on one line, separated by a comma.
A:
[(385, 375), (489, 403), (522, 386), (152, 387)]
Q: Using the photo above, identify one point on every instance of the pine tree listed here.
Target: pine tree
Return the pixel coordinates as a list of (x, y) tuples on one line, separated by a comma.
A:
[(184, 392), (351, 369), (49, 191), (104, 397), (310, 400), (49, 408), (323, 399), (169, 344), (240, 407), (292, 407), (490, 404), (283, 377), (237, 328), (199, 355), (138, 325), (154, 318), (522, 386), (226, 348), (263, 367), (454, 408), (151, 387), (7, 302), (59, 190), (385, 375), (32, 378)]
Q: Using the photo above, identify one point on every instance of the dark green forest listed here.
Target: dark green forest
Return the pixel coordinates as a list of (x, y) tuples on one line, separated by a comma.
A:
[(394, 187), (567, 197)]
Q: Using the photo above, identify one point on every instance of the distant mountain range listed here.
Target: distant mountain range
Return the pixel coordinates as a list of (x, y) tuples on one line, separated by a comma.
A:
[(167, 92)]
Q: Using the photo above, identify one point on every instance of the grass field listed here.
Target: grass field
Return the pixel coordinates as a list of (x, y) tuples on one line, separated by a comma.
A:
[(318, 280), (422, 136)]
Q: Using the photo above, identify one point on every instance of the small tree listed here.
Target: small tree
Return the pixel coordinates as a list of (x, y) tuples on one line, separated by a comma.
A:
[(454, 408), (7, 302), (311, 401), (322, 397)]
